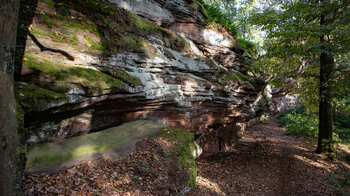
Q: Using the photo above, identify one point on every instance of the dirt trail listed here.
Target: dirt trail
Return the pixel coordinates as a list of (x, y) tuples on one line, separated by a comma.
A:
[(266, 162)]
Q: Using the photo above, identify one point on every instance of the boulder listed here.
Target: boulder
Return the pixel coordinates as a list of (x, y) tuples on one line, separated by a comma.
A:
[(111, 143)]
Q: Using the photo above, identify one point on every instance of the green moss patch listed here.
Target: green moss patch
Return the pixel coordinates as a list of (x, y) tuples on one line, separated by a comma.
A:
[(235, 77), (50, 3), (142, 24), (137, 44), (183, 148), (249, 46), (79, 22), (93, 45), (53, 156), (33, 94), (126, 77), (37, 31), (65, 74)]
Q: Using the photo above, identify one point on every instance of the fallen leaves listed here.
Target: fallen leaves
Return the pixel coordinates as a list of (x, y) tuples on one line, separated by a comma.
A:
[(143, 172), (265, 162)]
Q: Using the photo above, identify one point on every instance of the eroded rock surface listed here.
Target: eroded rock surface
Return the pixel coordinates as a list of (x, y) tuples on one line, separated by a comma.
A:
[(115, 67), (112, 142)]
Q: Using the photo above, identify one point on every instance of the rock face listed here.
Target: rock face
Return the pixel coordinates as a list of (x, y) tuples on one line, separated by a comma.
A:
[(281, 101), (97, 66), (113, 142)]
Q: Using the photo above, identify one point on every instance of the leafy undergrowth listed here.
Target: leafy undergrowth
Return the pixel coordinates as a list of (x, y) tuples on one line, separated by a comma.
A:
[(249, 46), (214, 17), (299, 123), (158, 166)]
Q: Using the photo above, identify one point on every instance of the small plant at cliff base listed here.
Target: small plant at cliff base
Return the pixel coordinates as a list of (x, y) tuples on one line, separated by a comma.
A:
[(265, 119), (183, 149)]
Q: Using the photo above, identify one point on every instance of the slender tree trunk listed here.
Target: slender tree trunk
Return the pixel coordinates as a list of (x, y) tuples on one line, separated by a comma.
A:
[(11, 171), (325, 140)]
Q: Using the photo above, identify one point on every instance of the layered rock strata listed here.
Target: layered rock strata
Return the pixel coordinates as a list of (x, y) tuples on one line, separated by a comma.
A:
[(87, 67)]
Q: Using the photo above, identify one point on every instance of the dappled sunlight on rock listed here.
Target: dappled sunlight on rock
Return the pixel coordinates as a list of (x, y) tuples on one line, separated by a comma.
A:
[(117, 61)]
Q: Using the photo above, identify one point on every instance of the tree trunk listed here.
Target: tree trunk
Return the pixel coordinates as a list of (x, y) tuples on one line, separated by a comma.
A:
[(325, 140), (11, 156)]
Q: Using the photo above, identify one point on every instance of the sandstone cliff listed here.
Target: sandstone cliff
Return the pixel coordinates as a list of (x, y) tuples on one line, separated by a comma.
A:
[(84, 66)]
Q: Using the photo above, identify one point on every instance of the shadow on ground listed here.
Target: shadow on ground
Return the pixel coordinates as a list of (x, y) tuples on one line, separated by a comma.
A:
[(266, 162)]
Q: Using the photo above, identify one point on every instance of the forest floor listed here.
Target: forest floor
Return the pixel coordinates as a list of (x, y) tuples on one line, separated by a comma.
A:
[(264, 162), (268, 162)]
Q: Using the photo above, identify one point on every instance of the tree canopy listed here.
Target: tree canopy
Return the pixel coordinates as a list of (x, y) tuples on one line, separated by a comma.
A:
[(308, 50)]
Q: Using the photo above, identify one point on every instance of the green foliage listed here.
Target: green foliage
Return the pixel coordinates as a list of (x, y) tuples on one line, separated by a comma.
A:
[(265, 119), (50, 3), (298, 34), (293, 41), (238, 13), (44, 32), (342, 127), (142, 169), (93, 45), (299, 122), (214, 17), (63, 10), (249, 46)]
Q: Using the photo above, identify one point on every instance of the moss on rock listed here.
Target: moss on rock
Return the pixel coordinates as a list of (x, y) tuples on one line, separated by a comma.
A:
[(64, 74), (32, 94), (106, 21), (115, 141), (183, 148), (126, 77), (235, 77)]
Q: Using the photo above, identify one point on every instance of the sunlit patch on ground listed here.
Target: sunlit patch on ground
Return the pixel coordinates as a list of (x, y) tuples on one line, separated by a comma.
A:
[(207, 184)]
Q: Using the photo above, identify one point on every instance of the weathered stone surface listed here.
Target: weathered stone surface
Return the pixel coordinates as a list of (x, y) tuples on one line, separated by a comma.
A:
[(200, 84), (281, 101), (113, 142), (146, 9)]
